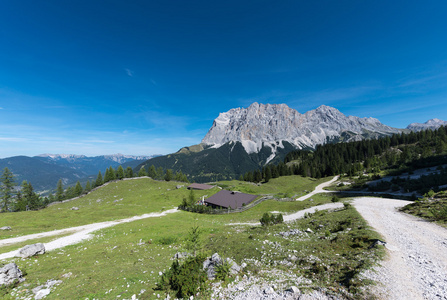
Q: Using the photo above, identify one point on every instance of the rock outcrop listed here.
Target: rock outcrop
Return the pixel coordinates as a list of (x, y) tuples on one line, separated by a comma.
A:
[(9, 274), (211, 263)]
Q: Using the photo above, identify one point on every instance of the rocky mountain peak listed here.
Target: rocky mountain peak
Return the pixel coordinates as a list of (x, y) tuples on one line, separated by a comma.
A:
[(430, 124), (270, 124)]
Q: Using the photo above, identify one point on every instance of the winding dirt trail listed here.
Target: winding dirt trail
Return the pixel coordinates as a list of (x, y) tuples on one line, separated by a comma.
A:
[(299, 214), (319, 189), (416, 266), (80, 233)]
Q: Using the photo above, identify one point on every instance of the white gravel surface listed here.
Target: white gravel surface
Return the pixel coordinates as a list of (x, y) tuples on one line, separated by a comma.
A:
[(416, 266), (299, 214), (319, 189), (80, 233)]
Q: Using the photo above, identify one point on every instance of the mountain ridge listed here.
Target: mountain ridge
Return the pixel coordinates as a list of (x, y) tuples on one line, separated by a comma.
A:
[(43, 171), (271, 123), (430, 124)]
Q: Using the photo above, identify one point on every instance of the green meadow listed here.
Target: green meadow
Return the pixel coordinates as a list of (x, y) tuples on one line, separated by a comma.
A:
[(126, 259)]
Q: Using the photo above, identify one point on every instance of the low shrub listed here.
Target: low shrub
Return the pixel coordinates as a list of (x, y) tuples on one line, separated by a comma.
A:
[(223, 270), (270, 219), (187, 279)]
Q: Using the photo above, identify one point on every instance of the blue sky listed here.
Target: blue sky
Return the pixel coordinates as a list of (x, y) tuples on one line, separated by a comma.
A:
[(145, 77)]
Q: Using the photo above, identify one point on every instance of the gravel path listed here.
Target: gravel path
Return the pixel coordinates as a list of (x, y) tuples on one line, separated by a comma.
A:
[(299, 214), (416, 266), (319, 189), (80, 233)]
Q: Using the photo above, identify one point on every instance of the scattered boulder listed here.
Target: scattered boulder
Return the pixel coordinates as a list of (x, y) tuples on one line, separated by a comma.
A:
[(269, 290), (50, 283), (67, 275), (42, 291), (181, 255), (377, 242), (292, 258), (42, 294), (31, 250), (210, 264), (10, 273), (5, 228), (234, 267), (75, 208), (179, 186), (294, 290), (290, 232)]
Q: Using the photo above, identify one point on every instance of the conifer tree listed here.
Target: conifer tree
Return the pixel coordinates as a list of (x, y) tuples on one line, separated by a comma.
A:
[(268, 174), (69, 193), (159, 173), (106, 176), (152, 172), (88, 186), (20, 204), (59, 191), (120, 172), (7, 188), (142, 172), (78, 189), (31, 199), (112, 173), (129, 172), (99, 180), (168, 175)]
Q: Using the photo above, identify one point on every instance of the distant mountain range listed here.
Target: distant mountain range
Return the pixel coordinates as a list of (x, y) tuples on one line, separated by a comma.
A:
[(430, 124), (244, 139), (45, 170), (240, 140)]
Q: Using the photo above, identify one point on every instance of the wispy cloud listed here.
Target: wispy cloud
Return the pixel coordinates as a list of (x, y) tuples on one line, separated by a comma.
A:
[(129, 72), (99, 141), (333, 95), (153, 82), (11, 139)]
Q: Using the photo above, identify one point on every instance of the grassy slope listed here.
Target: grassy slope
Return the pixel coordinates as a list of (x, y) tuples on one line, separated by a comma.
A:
[(124, 259), (133, 197), (434, 210)]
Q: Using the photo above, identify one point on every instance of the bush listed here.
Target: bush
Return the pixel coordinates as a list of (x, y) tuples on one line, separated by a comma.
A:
[(335, 199), (265, 219), (185, 280), (439, 214), (270, 219), (223, 270), (167, 240)]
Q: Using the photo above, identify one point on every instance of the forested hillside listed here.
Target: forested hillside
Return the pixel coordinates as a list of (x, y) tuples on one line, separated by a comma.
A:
[(212, 164), (399, 152)]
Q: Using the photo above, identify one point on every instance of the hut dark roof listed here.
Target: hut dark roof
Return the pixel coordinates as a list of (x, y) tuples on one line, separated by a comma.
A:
[(200, 186), (231, 199)]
